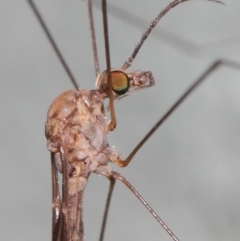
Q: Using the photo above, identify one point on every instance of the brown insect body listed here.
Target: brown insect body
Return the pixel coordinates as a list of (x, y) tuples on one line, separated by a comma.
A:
[(76, 124), (76, 129)]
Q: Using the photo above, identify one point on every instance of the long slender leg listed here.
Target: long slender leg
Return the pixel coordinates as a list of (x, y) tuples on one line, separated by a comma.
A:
[(56, 203), (117, 176), (173, 4), (93, 37), (113, 122), (177, 42), (107, 205), (211, 68), (53, 42)]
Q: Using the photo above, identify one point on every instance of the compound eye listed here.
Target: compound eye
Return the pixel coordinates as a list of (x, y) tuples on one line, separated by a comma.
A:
[(120, 82)]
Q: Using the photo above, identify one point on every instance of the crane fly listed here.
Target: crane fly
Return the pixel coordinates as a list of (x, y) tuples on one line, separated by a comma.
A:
[(129, 141)]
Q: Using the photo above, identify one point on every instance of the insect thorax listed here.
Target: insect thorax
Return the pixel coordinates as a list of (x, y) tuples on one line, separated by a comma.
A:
[(76, 131)]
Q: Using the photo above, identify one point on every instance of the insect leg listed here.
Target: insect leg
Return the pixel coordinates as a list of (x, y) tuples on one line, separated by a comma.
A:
[(53, 42), (122, 163), (106, 209), (118, 176)]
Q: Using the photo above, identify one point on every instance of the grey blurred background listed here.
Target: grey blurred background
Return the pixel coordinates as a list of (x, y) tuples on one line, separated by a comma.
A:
[(188, 171)]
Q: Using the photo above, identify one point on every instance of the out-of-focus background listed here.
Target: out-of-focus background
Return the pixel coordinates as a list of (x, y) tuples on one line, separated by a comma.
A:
[(188, 171)]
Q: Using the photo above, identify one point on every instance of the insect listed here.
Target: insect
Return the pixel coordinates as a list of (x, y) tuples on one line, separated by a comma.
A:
[(164, 162)]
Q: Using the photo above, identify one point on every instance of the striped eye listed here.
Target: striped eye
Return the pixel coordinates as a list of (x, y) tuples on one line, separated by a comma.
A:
[(120, 82)]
